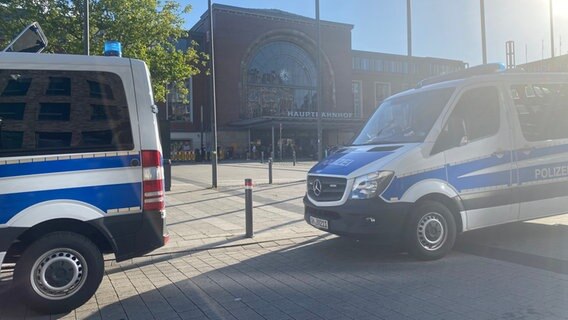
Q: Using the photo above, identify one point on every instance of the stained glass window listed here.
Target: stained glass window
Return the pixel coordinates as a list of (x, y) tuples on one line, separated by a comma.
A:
[(281, 77)]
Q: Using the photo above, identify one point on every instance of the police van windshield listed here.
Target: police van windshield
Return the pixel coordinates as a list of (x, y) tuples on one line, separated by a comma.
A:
[(404, 119)]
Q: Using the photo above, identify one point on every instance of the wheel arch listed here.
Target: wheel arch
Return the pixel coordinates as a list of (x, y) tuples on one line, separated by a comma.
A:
[(452, 204), (100, 238)]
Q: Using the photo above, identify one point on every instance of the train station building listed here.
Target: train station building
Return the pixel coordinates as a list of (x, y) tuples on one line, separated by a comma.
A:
[(266, 83)]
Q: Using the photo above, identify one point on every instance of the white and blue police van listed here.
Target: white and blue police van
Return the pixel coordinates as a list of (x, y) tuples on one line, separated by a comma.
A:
[(80, 172), (469, 150)]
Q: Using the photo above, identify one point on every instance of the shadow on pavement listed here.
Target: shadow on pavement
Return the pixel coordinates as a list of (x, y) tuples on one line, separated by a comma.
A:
[(538, 245), (267, 283), (332, 279), (341, 279)]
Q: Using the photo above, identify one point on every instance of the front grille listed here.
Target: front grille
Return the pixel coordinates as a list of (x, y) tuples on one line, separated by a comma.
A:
[(332, 189)]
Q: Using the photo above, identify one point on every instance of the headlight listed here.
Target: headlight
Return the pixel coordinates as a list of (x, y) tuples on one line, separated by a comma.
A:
[(371, 185)]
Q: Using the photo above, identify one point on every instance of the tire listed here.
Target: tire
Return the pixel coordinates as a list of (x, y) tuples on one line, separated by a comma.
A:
[(59, 272), (431, 231)]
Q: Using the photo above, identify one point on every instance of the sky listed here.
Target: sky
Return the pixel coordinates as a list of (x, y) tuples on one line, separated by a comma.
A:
[(440, 28)]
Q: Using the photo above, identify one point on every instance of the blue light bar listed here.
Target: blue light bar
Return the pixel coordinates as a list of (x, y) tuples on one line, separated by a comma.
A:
[(113, 48)]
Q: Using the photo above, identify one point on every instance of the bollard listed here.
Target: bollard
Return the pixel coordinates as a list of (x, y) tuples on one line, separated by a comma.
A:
[(248, 208), (262, 157), (269, 170), (167, 165), (294, 158)]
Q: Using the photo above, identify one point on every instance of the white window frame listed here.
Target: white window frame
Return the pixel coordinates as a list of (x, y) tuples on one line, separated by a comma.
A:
[(388, 85), (360, 82)]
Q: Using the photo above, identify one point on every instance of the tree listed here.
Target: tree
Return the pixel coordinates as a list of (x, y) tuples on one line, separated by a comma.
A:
[(147, 29)]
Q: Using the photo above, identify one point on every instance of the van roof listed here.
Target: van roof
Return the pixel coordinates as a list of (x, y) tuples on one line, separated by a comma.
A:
[(504, 76), (61, 59), (490, 70), (501, 76)]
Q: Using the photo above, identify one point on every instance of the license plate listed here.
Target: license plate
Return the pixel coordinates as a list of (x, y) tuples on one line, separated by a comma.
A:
[(319, 223)]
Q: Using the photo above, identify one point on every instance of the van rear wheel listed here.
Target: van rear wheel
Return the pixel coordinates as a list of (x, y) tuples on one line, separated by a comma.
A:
[(431, 231), (59, 272)]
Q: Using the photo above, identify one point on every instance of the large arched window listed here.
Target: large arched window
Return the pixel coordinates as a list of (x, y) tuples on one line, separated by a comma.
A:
[(281, 77)]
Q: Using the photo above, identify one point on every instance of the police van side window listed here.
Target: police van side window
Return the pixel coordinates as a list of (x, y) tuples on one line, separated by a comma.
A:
[(475, 116), (55, 112), (542, 110)]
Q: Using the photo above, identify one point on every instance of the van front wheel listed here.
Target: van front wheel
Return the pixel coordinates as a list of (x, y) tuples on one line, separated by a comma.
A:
[(431, 231), (59, 272)]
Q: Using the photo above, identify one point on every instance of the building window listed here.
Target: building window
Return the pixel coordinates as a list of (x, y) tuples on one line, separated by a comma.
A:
[(53, 140), (12, 111), (16, 86), (180, 108), (281, 77), (379, 65), (382, 91), (104, 112), (357, 90), (100, 90), (11, 140), (54, 111), (59, 86)]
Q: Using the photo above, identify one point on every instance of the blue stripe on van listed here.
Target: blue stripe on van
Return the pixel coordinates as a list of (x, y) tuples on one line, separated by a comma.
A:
[(103, 197), (54, 166), (454, 174)]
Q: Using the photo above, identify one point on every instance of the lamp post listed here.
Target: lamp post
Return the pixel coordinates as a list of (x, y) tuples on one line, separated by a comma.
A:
[(409, 26), (86, 28), (483, 42), (319, 86), (213, 101), (551, 30)]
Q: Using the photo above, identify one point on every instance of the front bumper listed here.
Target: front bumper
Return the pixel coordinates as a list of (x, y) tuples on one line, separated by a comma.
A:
[(362, 219)]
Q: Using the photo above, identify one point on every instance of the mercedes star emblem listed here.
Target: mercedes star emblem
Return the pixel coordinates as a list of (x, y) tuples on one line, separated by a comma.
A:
[(317, 187)]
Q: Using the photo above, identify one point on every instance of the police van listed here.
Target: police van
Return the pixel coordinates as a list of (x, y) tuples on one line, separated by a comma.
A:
[(80, 172), (464, 151)]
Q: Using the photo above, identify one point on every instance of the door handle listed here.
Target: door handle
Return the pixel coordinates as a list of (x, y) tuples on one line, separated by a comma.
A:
[(526, 150), (499, 153)]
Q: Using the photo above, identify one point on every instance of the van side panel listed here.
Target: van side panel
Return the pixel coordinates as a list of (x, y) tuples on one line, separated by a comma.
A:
[(27, 188)]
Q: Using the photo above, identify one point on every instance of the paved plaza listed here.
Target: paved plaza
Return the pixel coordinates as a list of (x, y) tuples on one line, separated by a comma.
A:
[(290, 270)]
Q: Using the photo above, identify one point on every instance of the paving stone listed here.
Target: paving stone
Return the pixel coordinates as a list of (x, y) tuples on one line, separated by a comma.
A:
[(290, 270)]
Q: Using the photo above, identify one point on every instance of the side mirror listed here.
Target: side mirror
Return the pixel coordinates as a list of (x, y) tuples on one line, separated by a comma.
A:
[(32, 39)]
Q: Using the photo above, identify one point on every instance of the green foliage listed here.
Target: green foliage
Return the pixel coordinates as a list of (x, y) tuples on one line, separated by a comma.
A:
[(147, 29)]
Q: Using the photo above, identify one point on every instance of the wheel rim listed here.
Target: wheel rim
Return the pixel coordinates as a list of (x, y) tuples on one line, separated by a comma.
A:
[(59, 273), (432, 231)]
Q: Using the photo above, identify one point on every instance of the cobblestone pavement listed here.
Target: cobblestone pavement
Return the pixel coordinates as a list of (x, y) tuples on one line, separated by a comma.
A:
[(292, 271)]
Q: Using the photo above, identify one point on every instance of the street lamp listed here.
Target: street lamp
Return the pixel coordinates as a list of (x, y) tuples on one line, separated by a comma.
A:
[(213, 101), (86, 27), (551, 30), (483, 41), (319, 87), (409, 26)]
